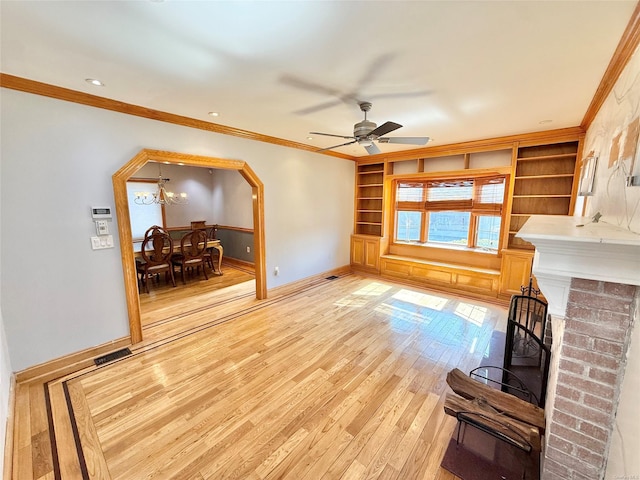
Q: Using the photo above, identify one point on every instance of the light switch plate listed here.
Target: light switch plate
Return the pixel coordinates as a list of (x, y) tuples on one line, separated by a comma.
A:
[(102, 242)]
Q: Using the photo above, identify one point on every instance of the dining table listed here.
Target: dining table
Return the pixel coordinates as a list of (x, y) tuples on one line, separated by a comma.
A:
[(211, 243)]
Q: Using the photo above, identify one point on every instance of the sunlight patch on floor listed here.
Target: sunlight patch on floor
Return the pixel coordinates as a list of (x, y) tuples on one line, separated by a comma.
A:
[(351, 301), (421, 299), (374, 288), (160, 375), (397, 312), (358, 298), (472, 313), (472, 349)]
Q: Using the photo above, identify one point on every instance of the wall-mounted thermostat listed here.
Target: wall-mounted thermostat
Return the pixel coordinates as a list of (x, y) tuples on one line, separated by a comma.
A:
[(100, 212)]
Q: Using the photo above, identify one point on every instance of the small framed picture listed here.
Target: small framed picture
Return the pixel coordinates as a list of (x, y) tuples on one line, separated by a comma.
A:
[(587, 175)]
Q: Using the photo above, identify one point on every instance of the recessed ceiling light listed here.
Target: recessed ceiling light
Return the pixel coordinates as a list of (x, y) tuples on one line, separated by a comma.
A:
[(94, 81), (214, 114), (542, 122), (309, 138)]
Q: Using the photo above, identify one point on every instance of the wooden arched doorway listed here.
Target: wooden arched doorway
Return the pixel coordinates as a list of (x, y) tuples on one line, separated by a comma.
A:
[(124, 226)]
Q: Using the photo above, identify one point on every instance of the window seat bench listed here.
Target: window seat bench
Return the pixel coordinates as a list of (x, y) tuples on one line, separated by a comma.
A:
[(470, 280)]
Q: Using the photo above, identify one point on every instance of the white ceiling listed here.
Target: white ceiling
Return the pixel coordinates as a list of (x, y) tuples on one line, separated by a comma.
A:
[(451, 70)]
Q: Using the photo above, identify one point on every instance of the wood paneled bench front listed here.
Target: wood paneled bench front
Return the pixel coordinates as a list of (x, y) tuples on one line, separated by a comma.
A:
[(479, 282)]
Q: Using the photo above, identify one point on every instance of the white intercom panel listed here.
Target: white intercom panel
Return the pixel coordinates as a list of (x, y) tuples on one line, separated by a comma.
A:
[(98, 213), (100, 216)]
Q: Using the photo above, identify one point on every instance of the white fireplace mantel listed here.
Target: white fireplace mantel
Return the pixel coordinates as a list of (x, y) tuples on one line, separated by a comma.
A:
[(594, 251)]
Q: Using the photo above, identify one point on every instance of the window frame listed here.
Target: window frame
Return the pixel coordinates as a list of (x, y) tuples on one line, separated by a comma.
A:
[(153, 184), (474, 207)]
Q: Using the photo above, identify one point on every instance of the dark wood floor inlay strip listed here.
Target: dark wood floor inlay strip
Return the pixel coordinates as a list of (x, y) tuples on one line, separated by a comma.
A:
[(76, 434)]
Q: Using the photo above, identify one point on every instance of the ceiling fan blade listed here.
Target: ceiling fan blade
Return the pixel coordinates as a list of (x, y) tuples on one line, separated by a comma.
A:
[(336, 146), (372, 149), (374, 68), (405, 140), (317, 108), (384, 129), (418, 93), (310, 86), (331, 135)]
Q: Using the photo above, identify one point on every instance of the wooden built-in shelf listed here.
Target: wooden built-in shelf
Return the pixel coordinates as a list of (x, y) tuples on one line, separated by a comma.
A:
[(536, 177), (547, 157), (542, 196), (543, 185), (369, 198)]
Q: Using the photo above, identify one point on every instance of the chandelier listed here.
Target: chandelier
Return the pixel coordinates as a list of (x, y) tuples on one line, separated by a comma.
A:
[(161, 196)]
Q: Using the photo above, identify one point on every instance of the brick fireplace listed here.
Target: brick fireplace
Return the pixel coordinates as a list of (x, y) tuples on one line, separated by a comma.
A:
[(591, 277)]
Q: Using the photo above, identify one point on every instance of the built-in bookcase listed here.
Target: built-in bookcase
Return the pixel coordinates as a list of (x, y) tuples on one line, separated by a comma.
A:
[(544, 182), (369, 199)]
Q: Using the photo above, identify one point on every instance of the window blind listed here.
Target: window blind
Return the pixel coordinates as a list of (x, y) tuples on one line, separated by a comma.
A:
[(480, 195), (449, 195)]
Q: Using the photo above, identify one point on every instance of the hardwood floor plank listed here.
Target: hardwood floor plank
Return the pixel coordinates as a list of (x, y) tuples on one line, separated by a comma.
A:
[(67, 452), (404, 448), (278, 456), (340, 379), (41, 459), (22, 437), (91, 448)]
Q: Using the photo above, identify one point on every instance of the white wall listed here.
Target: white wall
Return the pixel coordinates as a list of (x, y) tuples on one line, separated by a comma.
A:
[(232, 201), (5, 387), (5, 363), (59, 296), (620, 205)]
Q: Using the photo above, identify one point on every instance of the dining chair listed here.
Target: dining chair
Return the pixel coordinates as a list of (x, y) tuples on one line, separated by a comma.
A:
[(209, 255), (155, 229), (150, 231), (156, 253), (193, 247)]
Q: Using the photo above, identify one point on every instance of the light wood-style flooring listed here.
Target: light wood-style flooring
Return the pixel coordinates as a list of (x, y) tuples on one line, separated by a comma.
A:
[(339, 379)]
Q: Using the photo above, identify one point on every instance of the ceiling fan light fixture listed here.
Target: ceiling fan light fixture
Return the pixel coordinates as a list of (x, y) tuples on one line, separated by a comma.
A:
[(366, 133), (363, 128)]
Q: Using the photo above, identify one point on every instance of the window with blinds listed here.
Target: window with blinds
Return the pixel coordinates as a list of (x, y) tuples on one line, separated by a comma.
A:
[(461, 211)]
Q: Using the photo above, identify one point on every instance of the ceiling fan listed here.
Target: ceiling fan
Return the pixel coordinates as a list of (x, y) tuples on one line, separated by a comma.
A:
[(366, 132)]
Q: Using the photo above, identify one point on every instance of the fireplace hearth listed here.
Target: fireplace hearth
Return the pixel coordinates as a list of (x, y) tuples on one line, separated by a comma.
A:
[(590, 275)]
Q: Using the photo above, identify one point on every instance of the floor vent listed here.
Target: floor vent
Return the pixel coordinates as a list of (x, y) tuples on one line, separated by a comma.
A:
[(332, 277), (110, 357)]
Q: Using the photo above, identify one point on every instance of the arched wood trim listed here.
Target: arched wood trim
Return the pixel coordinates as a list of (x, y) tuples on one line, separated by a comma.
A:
[(124, 226)]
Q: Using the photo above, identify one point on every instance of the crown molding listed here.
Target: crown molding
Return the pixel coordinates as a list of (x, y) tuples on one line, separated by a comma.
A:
[(475, 146), (625, 50), (38, 88)]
